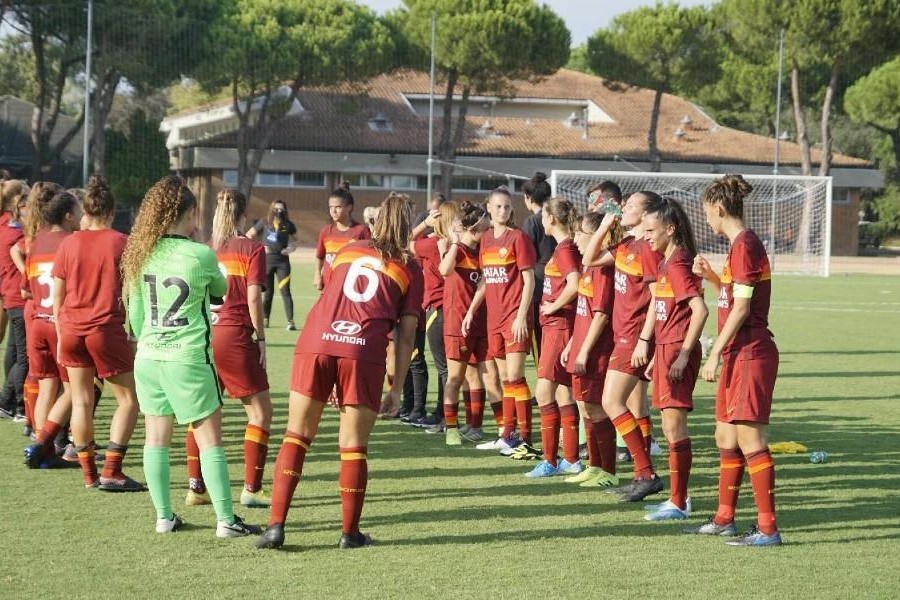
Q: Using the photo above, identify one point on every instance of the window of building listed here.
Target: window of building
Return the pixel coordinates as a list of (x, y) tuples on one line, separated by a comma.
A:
[(309, 179), (285, 179), (274, 179), (841, 196), (229, 177)]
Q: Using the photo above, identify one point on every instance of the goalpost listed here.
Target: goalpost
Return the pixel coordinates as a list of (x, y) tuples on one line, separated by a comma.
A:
[(791, 215)]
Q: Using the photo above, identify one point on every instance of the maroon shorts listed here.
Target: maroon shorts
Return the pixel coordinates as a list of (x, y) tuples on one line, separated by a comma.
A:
[(40, 342), (500, 343), (107, 350), (466, 349), (746, 388), (620, 359), (674, 394), (587, 390), (357, 383), (236, 356), (553, 342)]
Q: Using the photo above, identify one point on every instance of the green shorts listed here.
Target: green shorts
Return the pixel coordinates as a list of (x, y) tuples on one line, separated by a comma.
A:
[(188, 391)]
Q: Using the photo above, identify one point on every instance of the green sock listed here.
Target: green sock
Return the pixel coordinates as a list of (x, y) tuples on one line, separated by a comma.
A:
[(215, 473), (156, 470)]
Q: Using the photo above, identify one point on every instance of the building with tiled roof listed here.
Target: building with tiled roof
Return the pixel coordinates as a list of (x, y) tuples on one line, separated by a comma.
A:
[(376, 136)]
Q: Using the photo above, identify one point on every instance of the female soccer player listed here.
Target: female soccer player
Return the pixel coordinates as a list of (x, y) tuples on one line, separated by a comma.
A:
[(466, 352), (279, 235), (343, 348), (632, 323), (561, 275), (341, 231), (169, 280), (90, 318), (680, 314), (240, 360), (749, 369), (587, 357), (15, 200), (61, 217), (536, 191), (507, 260)]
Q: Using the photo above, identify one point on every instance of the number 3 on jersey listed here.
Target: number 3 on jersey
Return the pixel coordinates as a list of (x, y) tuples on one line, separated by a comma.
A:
[(363, 267), (169, 320), (45, 277)]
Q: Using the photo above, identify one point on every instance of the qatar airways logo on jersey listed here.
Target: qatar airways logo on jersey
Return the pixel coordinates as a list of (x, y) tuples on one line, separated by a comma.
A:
[(495, 275), (723, 297), (345, 332), (548, 287), (621, 282), (582, 308), (661, 313)]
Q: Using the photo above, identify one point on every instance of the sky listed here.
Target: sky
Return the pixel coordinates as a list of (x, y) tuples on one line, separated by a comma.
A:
[(583, 17)]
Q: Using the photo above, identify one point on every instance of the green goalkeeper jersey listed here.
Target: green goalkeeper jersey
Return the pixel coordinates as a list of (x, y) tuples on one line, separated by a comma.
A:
[(168, 309)]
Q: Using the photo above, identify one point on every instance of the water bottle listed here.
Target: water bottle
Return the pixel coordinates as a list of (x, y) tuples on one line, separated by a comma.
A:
[(818, 457)]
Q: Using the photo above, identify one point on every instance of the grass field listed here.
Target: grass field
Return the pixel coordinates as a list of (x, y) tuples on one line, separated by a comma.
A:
[(457, 523)]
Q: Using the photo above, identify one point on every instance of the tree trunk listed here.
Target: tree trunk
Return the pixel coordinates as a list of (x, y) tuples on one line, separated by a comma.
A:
[(825, 164), (445, 142), (800, 120), (262, 128), (102, 103), (652, 147)]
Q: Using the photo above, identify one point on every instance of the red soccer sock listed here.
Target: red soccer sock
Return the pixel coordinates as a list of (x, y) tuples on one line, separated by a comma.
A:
[(646, 427), (88, 466), (680, 459), (112, 465), (568, 416), (288, 467), (731, 472), (509, 411), (497, 411), (627, 427), (256, 448), (451, 415), (195, 477), (550, 431), (30, 392), (522, 395), (467, 405), (593, 445), (46, 436), (477, 397), (352, 480), (606, 439), (762, 478)]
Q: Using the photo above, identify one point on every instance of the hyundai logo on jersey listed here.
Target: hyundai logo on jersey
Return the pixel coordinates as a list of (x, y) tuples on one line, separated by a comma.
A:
[(346, 327)]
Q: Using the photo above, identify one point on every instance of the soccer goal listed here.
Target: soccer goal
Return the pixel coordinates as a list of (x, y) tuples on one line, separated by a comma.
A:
[(792, 215)]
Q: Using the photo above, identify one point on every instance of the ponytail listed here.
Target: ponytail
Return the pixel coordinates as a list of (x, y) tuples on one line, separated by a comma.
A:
[(231, 205)]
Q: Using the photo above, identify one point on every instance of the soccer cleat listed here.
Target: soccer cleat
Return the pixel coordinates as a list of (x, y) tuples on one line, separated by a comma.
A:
[(588, 474), (567, 468), (438, 428), (668, 511), (463, 428), (474, 434), (410, 417), (169, 525), (354, 540), (33, 455), (197, 498), (236, 529), (431, 420), (625, 489), (257, 499), (126, 484), (643, 488), (542, 469), (55, 462), (27, 431), (713, 528), (272, 539), (623, 455), (453, 437), (19, 417), (525, 451), (291, 326), (755, 537), (7, 413), (500, 444)]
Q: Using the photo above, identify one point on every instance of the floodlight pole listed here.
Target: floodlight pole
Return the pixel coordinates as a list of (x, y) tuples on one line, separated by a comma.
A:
[(86, 130), (430, 178)]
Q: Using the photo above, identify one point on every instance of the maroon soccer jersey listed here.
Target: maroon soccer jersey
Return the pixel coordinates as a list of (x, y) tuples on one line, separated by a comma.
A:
[(429, 256), (332, 239), (459, 290), (502, 261), (12, 280), (635, 267), (595, 294), (89, 263), (361, 305), (565, 260), (39, 270), (748, 264), (676, 284), (243, 262)]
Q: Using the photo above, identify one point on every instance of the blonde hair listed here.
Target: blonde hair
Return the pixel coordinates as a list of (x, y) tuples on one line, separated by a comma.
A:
[(11, 193), (38, 199), (391, 233), (230, 207), (613, 236), (564, 212), (163, 206), (449, 212)]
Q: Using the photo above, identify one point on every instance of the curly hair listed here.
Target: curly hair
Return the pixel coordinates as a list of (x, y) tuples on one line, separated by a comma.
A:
[(391, 234), (163, 206), (11, 193), (99, 201), (39, 199)]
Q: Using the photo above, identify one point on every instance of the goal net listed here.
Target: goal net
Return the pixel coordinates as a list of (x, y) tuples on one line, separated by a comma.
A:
[(791, 215)]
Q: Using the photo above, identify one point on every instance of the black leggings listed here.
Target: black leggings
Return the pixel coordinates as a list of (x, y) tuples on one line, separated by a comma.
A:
[(415, 386), (13, 390), (279, 265), (434, 331)]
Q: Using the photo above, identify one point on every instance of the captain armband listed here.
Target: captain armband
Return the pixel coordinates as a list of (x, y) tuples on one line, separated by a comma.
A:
[(742, 291)]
